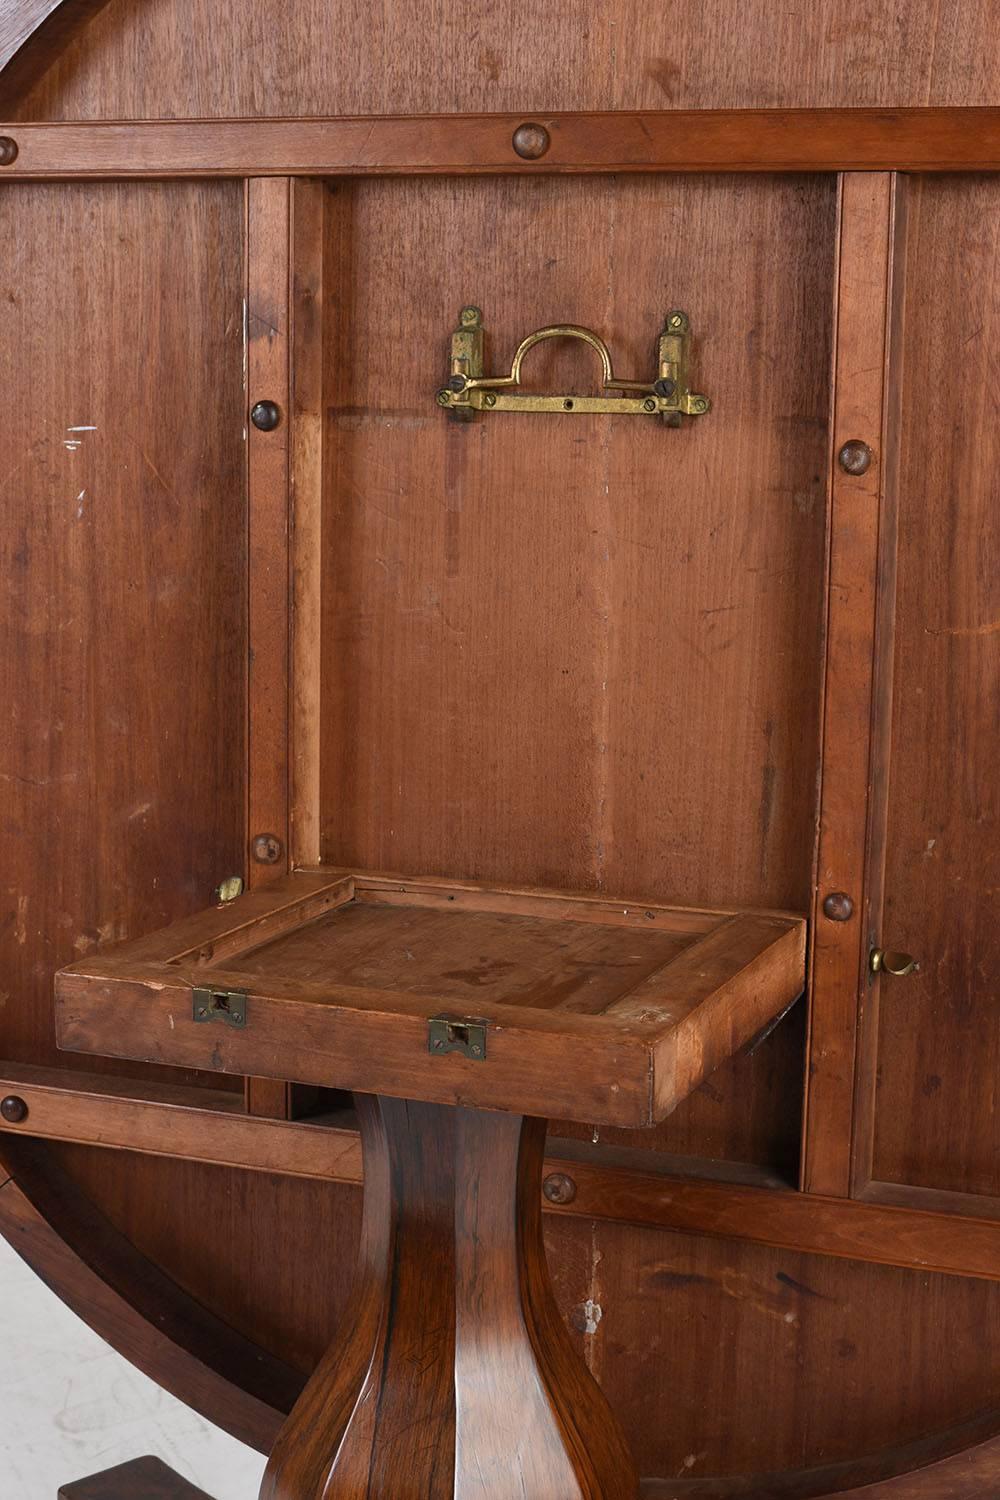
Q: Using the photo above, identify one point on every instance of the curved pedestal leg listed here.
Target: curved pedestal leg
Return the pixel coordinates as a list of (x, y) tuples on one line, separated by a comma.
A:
[(456, 1379)]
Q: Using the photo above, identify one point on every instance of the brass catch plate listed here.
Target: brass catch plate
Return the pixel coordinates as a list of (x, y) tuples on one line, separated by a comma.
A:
[(227, 1006), (451, 1034)]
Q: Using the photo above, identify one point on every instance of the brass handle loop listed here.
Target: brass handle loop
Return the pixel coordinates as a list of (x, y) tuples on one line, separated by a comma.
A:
[(555, 331), (470, 391)]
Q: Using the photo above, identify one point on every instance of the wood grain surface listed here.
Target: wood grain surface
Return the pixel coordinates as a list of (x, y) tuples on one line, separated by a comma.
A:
[(232, 58), (123, 547), (575, 587), (938, 1049)]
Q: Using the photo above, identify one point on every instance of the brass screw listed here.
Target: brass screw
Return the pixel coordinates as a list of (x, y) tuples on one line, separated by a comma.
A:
[(677, 321), (13, 1109), (649, 404), (444, 398), (470, 317), (855, 457), (8, 150), (838, 906), (267, 848), (559, 1188), (531, 141), (699, 405), (489, 399)]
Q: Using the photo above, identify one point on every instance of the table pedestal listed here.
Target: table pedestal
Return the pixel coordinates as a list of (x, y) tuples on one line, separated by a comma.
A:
[(454, 1377)]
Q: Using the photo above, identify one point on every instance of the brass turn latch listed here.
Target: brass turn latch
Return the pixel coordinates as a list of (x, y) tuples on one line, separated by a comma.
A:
[(668, 396)]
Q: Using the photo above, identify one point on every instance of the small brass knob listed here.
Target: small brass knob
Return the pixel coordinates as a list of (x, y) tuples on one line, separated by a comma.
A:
[(886, 961)]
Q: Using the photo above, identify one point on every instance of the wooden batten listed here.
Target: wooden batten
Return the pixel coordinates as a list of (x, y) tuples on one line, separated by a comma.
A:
[(832, 140), (861, 506)]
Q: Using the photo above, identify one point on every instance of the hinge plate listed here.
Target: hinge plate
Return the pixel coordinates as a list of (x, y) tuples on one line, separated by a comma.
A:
[(227, 1006), (457, 1034)]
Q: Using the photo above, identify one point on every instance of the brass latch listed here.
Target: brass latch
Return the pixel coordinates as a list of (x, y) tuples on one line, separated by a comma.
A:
[(227, 1006), (448, 1034), (668, 395)]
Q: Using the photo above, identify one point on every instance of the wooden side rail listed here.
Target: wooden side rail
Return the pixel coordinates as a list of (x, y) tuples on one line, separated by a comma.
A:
[(208, 1125)]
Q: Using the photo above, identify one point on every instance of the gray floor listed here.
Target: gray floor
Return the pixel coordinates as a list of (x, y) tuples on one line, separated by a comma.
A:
[(69, 1406)]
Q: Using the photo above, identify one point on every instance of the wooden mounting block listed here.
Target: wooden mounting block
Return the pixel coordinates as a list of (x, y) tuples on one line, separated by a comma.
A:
[(594, 1009)]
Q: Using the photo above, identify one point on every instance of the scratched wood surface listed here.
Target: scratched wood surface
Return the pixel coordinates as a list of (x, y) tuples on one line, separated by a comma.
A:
[(577, 654), (936, 1125), (232, 57), (122, 551), (671, 1324)]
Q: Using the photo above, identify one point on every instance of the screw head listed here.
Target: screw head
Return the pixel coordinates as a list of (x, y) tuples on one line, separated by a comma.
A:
[(665, 387), (531, 141), (13, 1109), (649, 404), (8, 150), (489, 400), (457, 382), (267, 848), (444, 398), (677, 321), (558, 1187), (838, 907), (470, 317), (266, 416), (855, 457)]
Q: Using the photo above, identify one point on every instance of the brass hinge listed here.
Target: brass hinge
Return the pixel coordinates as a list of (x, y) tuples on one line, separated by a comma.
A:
[(227, 1006), (448, 1034), (668, 395)]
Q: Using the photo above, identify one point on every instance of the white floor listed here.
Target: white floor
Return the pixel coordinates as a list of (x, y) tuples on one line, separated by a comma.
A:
[(70, 1406)]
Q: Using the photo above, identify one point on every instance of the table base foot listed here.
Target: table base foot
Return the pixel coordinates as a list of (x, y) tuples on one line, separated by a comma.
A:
[(142, 1479)]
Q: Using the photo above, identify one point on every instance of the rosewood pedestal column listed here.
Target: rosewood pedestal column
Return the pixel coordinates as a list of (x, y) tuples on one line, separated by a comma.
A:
[(456, 1378)]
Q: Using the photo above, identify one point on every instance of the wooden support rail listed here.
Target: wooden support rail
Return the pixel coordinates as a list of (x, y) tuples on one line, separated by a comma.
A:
[(778, 140), (208, 1125)]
